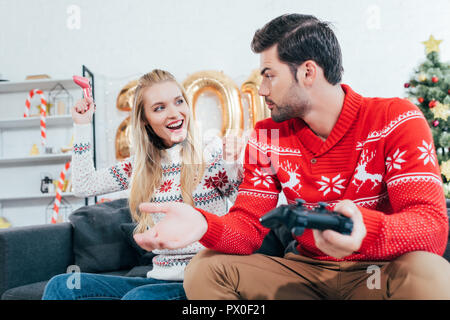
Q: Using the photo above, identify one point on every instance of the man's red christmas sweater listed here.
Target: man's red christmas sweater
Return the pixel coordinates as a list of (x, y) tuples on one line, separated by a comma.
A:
[(380, 154)]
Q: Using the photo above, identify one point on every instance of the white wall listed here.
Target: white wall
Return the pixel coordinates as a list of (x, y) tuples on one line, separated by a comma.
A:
[(119, 40)]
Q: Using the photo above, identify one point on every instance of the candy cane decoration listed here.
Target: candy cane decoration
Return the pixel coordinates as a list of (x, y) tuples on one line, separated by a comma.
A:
[(43, 112), (57, 203)]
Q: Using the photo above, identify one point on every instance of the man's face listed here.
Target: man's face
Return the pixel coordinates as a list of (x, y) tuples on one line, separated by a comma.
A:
[(284, 97)]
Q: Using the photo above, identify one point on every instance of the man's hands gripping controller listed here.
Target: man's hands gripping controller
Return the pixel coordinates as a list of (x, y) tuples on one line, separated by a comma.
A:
[(297, 218), (335, 234), (338, 245)]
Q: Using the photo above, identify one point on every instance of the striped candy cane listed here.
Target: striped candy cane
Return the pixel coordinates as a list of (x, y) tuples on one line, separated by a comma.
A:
[(43, 112), (57, 203)]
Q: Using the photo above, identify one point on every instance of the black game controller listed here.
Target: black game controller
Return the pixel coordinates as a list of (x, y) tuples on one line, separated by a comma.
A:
[(297, 218)]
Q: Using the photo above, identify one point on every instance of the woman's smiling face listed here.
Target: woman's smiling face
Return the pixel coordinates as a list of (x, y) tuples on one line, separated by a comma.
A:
[(167, 112)]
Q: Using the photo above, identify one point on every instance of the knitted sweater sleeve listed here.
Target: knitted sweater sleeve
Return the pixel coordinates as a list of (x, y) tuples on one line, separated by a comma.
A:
[(419, 218), (86, 181), (239, 231), (228, 174)]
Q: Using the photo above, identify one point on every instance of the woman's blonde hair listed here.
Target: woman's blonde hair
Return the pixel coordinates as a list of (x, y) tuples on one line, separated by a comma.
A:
[(148, 150)]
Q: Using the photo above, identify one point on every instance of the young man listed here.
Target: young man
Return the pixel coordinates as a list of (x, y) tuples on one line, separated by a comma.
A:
[(371, 159)]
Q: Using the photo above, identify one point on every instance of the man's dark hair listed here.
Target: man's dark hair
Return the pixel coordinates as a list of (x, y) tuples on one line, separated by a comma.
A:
[(300, 38)]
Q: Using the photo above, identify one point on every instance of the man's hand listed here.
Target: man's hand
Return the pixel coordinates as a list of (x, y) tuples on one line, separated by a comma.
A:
[(338, 245), (181, 226)]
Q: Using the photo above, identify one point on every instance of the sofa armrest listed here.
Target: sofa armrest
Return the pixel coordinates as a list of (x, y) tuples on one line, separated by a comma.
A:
[(34, 253)]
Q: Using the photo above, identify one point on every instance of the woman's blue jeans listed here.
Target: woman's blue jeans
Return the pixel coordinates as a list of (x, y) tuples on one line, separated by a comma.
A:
[(107, 287)]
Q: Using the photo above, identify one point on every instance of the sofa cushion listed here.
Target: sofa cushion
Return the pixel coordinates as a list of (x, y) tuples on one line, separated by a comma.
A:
[(33, 291), (139, 271), (98, 241), (34, 253), (144, 257)]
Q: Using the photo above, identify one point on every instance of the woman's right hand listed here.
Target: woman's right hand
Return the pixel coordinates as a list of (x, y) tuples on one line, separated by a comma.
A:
[(83, 111)]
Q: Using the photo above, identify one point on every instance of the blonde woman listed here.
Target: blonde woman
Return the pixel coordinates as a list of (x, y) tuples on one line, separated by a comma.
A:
[(169, 163)]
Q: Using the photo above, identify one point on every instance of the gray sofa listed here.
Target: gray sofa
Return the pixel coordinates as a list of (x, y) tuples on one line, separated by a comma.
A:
[(97, 239)]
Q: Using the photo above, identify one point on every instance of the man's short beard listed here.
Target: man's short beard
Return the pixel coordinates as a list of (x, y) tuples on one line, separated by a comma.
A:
[(284, 113), (293, 106)]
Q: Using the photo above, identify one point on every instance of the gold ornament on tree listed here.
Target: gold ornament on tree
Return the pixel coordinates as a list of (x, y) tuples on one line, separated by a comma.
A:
[(431, 45), (445, 169), (441, 111), (422, 77)]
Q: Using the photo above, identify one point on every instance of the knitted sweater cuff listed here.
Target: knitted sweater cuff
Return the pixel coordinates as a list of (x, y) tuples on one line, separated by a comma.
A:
[(372, 220), (215, 229)]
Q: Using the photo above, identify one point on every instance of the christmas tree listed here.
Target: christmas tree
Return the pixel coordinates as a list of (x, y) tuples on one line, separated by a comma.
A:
[(429, 89)]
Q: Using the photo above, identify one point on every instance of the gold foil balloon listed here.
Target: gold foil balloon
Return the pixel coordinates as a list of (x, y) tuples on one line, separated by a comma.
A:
[(126, 95), (125, 103), (227, 92), (258, 108), (123, 140)]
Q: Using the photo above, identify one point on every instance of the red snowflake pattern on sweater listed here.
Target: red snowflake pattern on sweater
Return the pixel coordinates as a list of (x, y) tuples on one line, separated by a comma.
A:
[(127, 168), (209, 183), (220, 179), (166, 186)]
